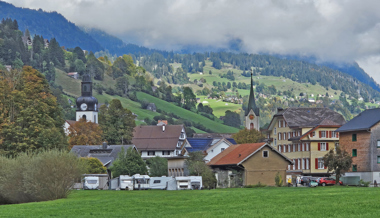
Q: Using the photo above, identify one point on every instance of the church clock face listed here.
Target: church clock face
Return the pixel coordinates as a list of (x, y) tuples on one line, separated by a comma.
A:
[(83, 106)]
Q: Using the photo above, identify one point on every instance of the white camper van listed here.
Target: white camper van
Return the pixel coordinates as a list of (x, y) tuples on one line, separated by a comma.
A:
[(183, 182), (126, 182), (159, 182), (140, 182), (196, 182), (91, 182)]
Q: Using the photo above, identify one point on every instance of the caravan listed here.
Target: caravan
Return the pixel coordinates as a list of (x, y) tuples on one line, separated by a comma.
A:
[(126, 182), (140, 182), (91, 182), (159, 182)]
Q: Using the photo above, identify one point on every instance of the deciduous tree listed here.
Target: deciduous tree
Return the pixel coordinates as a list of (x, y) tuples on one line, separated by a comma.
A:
[(85, 133), (337, 162), (158, 166), (93, 165), (197, 167), (248, 136), (128, 163)]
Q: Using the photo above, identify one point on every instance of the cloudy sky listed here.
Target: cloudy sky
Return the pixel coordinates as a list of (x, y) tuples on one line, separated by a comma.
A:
[(330, 30)]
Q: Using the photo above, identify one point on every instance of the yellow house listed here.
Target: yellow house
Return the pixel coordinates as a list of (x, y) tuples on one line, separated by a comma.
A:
[(305, 135)]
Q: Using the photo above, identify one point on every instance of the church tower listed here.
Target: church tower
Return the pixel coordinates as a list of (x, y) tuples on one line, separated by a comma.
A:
[(252, 113), (87, 105)]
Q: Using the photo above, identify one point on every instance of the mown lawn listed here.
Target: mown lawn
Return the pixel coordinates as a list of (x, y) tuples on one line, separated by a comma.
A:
[(259, 202)]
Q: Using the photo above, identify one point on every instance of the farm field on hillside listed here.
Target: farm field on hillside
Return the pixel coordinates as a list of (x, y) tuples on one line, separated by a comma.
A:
[(220, 107), (168, 107), (240, 202)]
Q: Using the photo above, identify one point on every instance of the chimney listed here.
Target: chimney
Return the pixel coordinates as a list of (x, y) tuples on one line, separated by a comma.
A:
[(163, 128), (104, 145)]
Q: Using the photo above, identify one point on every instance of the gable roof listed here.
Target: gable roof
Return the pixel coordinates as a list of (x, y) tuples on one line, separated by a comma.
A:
[(106, 156), (156, 137), (309, 117), (237, 154), (364, 121), (204, 144)]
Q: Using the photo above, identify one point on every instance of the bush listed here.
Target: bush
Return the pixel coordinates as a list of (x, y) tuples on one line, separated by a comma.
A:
[(278, 180), (48, 175), (93, 165), (362, 183)]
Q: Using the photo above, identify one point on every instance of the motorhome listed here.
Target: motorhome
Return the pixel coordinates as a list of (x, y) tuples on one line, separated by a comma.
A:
[(126, 182), (140, 182), (159, 182), (91, 182), (196, 182)]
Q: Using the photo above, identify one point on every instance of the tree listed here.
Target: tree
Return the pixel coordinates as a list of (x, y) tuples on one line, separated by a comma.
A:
[(337, 162), (128, 163), (30, 118), (232, 119), (93, 165), (117, 123), (158, 166), (197, 167), (248, 136), (189, 98), (85, 133)]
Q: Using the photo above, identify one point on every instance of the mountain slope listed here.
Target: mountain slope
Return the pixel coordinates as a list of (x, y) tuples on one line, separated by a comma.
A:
[(49, 25)]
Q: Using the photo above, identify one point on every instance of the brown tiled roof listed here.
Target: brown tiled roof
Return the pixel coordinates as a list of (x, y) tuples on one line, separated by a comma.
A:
[(235, 154), (71, 122), (154, 138)]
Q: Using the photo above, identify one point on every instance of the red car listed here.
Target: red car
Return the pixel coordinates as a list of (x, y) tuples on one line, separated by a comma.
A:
[(323, 181)]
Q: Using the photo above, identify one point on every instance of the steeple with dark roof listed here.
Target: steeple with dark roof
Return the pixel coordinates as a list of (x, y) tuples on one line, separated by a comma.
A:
[(251, 102)]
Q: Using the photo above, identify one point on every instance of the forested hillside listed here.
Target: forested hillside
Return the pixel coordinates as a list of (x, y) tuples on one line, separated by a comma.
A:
[(49, 25)]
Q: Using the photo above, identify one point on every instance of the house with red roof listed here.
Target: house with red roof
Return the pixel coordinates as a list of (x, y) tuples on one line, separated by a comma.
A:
[(249, 164)]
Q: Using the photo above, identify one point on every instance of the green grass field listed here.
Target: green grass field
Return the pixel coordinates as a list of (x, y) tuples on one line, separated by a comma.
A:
[(168, 107), (220, 107), (257, 202)]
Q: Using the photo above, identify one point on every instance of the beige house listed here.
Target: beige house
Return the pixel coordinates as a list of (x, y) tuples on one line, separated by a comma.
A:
[(305, 135), (249, 164)]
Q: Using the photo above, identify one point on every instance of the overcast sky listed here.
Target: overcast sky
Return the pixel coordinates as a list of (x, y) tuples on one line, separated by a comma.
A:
[(329, 30)]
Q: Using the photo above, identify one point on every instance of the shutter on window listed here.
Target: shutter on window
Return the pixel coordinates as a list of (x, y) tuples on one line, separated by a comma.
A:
[(311, 134), (330, 134), (316, 163), (319, 146), (327, 146), (320, 134), (337, 134)]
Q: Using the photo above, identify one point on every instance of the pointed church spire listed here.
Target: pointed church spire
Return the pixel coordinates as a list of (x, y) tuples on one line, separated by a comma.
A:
[(251, 102)]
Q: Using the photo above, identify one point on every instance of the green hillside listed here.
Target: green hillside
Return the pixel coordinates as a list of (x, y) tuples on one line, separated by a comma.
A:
[(171, 108)]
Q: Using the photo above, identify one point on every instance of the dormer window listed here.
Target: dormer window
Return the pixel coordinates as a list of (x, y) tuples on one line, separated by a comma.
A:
[(182, 135), (178, 144)]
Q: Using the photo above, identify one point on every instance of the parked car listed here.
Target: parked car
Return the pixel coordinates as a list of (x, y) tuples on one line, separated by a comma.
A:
[(313, 182), (305, 179), (323, 181)]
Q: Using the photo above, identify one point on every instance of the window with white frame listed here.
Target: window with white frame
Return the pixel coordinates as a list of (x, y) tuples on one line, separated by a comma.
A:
[(323, 146), (294, 164), (333, 135), (279, 136), (303, 146), (275, 131), (294, 147), (275, 142), (222, 149), (284, 136), (307, 163), (284, 148), (321, 164), (289, 148), (378, 143), (165, 152), (279, 148), (299, 164), (313, 134), (307, 146), (289, 135), (179, 143), (323, 134), (299, 147), (303, 163), (265, 153), (151, 153)]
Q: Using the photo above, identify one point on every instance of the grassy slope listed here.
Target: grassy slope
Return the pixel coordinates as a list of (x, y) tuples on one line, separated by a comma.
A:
[(259, 202), (72, 87), (168, 107)]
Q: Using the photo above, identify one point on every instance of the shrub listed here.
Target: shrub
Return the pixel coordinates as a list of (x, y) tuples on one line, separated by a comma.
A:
[(258, 185), (363, 183), (93, 165), (48, 175), (278, 180)]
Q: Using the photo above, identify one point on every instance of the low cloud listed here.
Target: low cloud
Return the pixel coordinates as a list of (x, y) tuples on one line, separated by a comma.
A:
[(328, 30)]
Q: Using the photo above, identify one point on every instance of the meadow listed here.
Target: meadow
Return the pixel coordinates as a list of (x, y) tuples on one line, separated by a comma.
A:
[(239, 202)]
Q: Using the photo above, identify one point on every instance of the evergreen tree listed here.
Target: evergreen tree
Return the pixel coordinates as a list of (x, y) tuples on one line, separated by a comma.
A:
[(128, 163), (117, 123)]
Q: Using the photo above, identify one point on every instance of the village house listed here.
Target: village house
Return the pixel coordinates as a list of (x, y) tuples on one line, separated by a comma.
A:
[(73, 75), (106, 154), (166, 141), (27, 40), (305, 135), (210, 147), (151, 107), (360, 137), (46, 43), (249, 164)]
